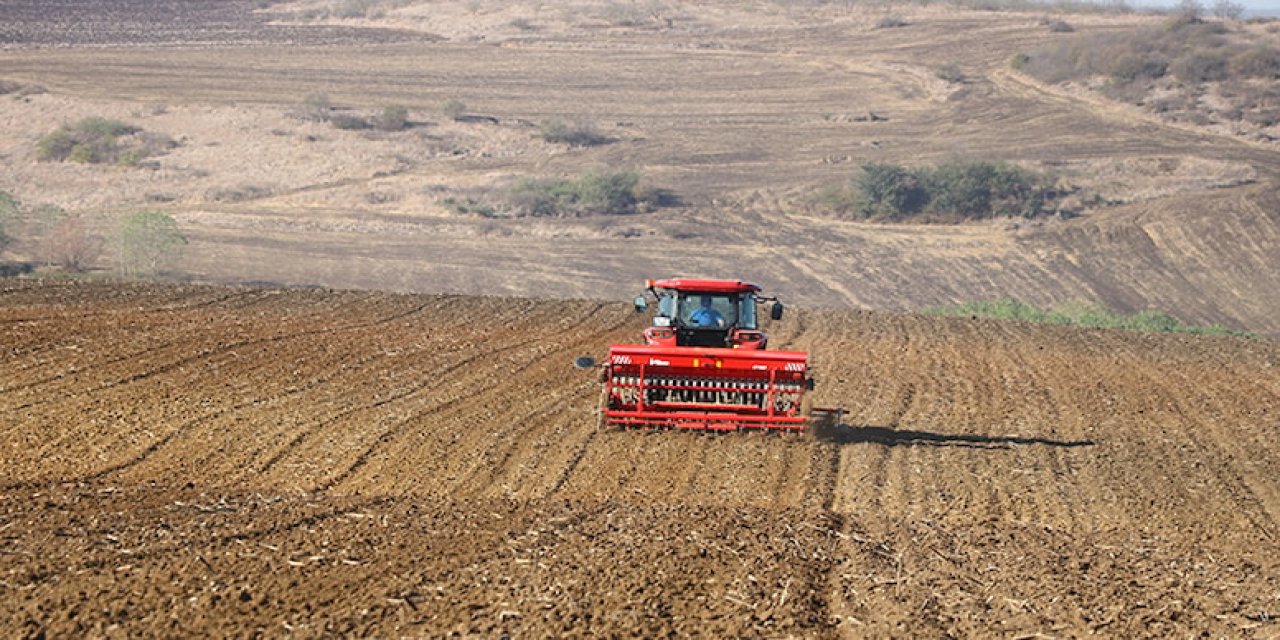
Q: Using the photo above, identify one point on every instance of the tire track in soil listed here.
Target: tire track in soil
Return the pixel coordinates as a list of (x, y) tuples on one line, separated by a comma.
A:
[(537, 348), (386, 436), (185, 427), (1258, 501), (219, 349), (101, 331), (312, 428), (197, 383), (541, 416)]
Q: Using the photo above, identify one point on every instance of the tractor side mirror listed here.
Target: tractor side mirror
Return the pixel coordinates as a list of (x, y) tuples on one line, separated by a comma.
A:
[(641, 304), (775, 311)]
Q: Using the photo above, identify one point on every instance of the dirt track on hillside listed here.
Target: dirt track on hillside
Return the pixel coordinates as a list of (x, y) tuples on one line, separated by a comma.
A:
[(208, 461)]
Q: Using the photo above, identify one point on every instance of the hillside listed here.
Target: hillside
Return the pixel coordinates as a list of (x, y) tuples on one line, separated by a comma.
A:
[(188, 460), (740, 111)]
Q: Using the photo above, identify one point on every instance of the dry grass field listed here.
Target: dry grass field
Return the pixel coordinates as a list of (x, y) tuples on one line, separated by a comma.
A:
[(740, 110)]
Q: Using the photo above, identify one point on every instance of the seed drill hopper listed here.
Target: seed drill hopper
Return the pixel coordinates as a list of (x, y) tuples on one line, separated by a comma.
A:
[(704, 364)]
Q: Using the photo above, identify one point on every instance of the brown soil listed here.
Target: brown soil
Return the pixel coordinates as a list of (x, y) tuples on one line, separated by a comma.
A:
[(204, 461)]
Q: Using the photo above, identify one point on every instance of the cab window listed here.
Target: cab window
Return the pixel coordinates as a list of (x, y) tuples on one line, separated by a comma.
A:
[(747, 312), (667, 305), (707, 310)]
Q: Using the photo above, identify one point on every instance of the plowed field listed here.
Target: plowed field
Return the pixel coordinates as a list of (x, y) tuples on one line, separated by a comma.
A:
[(224, 461)]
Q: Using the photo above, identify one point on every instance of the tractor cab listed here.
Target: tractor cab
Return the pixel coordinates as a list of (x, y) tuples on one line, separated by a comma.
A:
[(706, 313)]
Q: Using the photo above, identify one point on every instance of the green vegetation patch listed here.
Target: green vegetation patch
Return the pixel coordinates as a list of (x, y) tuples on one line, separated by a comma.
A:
[(101, 141), (352, 9), (578, 134), (605, 193), (950, 192), (9, 208), (1079, 314), (147, 242)]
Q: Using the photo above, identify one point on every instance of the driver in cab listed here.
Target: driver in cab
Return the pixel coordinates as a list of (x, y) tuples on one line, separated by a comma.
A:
[(705, 315)]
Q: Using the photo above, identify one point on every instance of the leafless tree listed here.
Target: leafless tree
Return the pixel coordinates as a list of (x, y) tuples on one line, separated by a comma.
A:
[(1228, 9), (71, 245)]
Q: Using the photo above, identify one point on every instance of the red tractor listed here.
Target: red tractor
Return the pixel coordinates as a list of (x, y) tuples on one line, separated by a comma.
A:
[(704, 364)]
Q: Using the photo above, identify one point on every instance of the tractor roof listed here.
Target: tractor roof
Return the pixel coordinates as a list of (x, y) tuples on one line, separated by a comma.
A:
[(705, 286)]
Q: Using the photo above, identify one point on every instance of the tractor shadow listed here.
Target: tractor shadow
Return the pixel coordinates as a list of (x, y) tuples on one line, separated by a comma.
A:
[(842, 434)]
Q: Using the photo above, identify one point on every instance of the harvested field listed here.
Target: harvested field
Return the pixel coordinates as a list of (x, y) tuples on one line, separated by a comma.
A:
[(167, 23), (182, 460)]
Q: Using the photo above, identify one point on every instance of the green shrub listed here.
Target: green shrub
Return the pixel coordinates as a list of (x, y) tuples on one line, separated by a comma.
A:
[(130, 157), (605, 193), (888, 191), (608, 193), (86, 153), (56, 146), (393, 118), (469, 204), (241, 193), (147, 242), (9, 208), (891, 22), (950, 72), (579, 134), (593, 194), (100, 140), (104, 128), (986, 189), (349, 122), (961, 189)]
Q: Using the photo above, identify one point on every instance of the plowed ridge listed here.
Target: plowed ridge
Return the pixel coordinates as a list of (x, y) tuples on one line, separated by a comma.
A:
[(211, 461)]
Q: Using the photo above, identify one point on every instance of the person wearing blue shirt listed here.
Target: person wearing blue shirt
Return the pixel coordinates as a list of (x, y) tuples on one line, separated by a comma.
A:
[(706, 316)]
